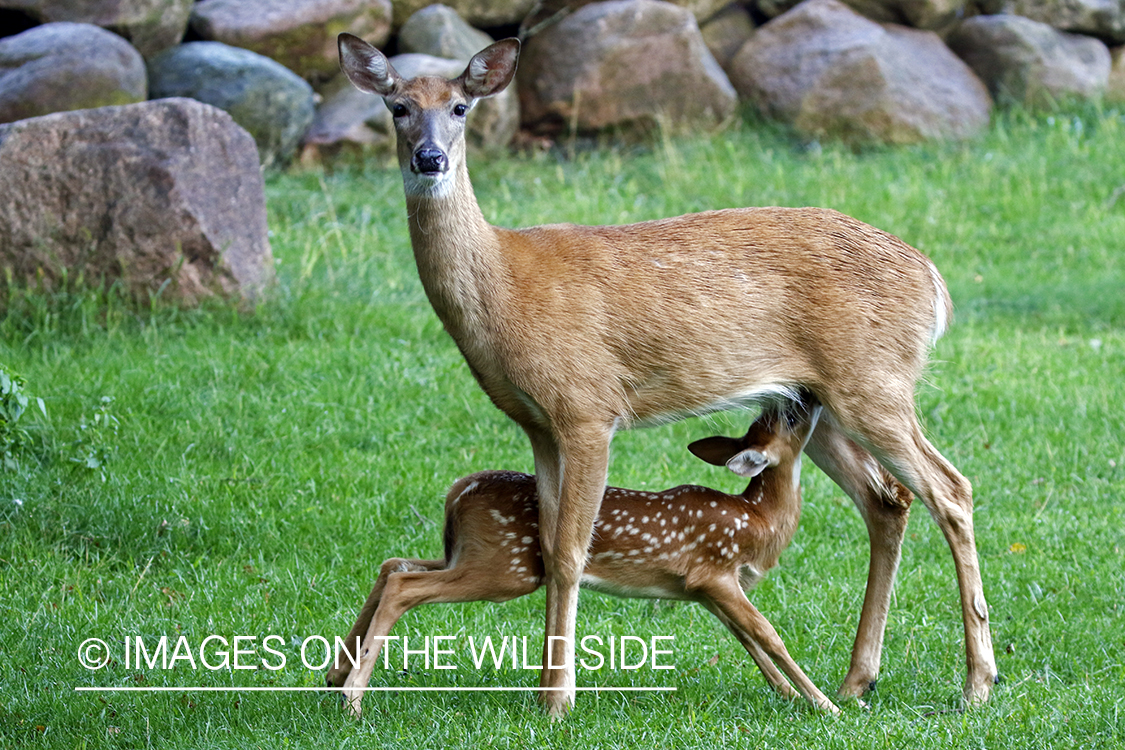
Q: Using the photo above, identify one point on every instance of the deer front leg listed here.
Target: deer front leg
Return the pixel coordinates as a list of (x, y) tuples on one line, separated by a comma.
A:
[(342, 667), (768, 669), (728, 597), (566, 526), (884, 505)]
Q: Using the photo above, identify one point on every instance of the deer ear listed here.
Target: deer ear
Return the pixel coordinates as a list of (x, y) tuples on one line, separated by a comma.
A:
[(715, 450), (366, 67), (750, 463), (491, 70)]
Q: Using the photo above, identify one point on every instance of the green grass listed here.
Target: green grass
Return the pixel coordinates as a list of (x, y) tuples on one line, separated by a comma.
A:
[(250, 471)]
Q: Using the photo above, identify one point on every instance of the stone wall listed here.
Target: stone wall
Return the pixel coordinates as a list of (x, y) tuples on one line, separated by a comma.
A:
[(893, 71)]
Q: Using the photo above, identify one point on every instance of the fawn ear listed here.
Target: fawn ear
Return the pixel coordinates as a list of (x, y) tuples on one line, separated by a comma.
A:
[(366, 67), (715, 450), (750, 463), (491, 70)]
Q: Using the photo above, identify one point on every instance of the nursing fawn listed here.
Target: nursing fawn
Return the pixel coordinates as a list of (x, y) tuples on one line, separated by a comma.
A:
[(689, 542), (576, 332)]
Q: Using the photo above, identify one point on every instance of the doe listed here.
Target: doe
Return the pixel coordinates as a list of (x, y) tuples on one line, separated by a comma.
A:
[(690, 543), (578, 331)]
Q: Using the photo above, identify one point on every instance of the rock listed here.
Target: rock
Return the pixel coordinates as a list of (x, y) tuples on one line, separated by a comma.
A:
[(60, 67), (1025, 61), (1115, 91), (264, 97), (482, 14), (827, 70), (299, 34), (624, 64), (165, 197), (1104, 19), (347, 119), (548, 12), (922, 14), (726, 32), (437, 30), (150, 25)]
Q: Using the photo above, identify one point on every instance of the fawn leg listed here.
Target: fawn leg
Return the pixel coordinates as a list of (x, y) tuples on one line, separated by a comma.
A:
[(346, 657)]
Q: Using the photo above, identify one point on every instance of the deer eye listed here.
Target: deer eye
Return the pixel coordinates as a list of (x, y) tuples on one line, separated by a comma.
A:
[(398, 110), (460, 110)]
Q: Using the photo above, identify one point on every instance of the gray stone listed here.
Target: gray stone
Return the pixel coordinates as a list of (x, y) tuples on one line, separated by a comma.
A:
[(150, 25), (164, 197), (479, 13), (829, 71), (437, 30), (299, 34), (1032, 63), (59, 67), (726, 32), (1104, 19), (267, 99), (627, 65), (348, 120)]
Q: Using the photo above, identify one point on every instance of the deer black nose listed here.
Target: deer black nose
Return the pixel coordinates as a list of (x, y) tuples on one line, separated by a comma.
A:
[(429, 161)]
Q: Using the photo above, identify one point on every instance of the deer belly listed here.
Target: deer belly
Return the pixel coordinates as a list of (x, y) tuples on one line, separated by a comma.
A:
[(634, 586)]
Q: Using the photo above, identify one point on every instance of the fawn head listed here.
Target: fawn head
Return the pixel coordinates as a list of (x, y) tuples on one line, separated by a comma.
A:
[(429, 112), (775, 438)]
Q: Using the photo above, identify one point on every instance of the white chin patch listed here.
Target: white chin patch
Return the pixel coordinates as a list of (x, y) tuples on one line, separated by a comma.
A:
[(428, 185)]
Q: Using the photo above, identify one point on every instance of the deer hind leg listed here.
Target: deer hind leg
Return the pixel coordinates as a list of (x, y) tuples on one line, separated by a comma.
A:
[(342, 666), (566, 526), (750, 625), (404, 591), (884, 505), (896, 439)]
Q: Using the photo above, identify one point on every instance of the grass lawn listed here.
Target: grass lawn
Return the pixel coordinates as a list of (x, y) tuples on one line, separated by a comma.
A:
[(243, 474)]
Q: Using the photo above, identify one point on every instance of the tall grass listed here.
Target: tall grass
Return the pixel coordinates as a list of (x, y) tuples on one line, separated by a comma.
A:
[(250, 471)]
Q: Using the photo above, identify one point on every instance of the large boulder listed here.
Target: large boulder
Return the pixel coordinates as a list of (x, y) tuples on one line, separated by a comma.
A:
[(150, 25), (479, 13), (59, 67), (299, 34), (267, 99), (439, 31), (829, 71), (921, 14), (1030, 62), (624, 64), (165, 197), (1104, 19)]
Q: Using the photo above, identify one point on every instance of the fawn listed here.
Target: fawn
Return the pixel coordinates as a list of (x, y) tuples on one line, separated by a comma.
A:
[(689, 542), (576, 332)]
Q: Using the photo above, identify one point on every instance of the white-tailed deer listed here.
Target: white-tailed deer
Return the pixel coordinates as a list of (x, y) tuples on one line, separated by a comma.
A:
[(576, 332), (690, 543)]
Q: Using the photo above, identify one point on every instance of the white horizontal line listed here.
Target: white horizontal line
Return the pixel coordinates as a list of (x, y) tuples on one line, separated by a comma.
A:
[(163, 689)]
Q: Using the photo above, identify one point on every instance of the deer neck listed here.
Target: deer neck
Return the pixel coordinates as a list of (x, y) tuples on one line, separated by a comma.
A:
[(776, 496), (457, 252)]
